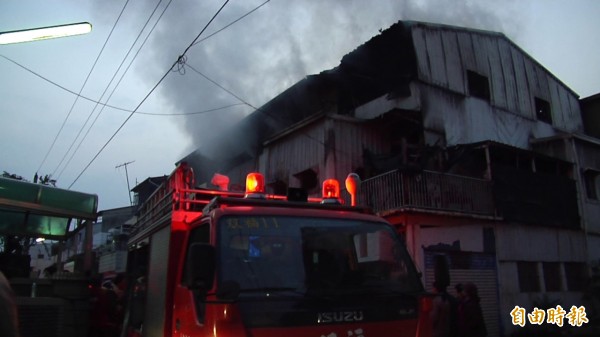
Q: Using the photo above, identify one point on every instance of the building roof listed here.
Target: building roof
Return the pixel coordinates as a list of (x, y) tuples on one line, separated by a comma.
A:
[(152, 181), (385, 64)]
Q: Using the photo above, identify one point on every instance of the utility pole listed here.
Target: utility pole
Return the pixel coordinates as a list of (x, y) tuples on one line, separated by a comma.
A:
[(127, 176)]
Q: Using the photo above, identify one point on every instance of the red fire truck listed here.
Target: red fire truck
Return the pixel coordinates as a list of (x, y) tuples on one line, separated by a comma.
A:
[(220, 263)]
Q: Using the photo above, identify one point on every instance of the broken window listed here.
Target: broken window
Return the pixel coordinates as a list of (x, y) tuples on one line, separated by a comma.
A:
[(592, 183), (576, 275), (478, 85), (542, 110), (552, 276), (308, 179), (528, 276)]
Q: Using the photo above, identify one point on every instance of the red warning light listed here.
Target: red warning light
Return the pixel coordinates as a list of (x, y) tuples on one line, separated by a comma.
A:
[(255, 183), (331, 189)]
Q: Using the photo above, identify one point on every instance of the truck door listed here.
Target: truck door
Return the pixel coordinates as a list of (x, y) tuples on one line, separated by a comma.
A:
[(154, 317)]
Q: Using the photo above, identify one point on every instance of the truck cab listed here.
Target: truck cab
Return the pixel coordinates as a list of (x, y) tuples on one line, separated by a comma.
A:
[(259, 265)]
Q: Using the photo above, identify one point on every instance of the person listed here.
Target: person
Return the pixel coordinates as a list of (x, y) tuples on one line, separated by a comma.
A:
[(470, 315), (103, 309), (9, 319), (444, 312), (460, 295)]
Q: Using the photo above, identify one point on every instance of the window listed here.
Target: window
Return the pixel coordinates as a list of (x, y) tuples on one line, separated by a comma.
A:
[(552, 276), (528, 276), (542, 110), (313, 254), (576, 275), (478, 85), (309, 179), (591, 182)]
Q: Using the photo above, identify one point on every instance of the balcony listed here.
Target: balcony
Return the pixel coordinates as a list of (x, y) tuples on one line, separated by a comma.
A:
[(428, 191), (513, 195)]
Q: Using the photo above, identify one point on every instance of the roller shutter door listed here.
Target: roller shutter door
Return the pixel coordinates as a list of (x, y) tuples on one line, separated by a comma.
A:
[(478, 268)]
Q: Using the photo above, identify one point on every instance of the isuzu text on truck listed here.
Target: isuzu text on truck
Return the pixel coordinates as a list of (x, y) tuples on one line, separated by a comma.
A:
[(219, 263)]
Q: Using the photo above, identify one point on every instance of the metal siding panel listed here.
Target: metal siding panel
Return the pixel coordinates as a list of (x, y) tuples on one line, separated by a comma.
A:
[(351, 138), (575, 114), (420, 44), (481, 54), (497, 89), (154, 318), (556, 106), (466, 51), (454, 70), (295, 153), (543, 79), (570, 117), (534, 84), (511, 129), (512, 96), (522, 83), (435, 50)]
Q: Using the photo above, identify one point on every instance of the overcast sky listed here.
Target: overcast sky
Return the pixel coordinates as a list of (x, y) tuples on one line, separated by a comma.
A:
[(254, 59)]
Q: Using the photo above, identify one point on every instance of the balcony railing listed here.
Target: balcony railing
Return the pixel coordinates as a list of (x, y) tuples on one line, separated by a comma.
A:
[(427, 190)]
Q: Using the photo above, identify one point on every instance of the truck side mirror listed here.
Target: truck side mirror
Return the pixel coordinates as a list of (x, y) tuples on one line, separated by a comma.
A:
[(200, 267)]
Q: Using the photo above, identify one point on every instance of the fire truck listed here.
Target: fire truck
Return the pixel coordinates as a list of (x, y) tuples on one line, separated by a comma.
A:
[(206, 262)]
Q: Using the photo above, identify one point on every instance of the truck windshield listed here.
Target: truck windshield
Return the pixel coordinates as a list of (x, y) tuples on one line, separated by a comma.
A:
[(305, 255)]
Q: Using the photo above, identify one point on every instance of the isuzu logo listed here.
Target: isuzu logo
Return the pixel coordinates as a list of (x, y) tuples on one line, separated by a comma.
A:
[(340, 316)]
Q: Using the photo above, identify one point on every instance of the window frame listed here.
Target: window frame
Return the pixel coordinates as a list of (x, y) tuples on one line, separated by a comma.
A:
[(478, 85), (528, 277), (543, 110)]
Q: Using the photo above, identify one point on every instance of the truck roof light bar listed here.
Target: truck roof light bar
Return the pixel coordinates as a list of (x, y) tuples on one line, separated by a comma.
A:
[(331, 192), (255, 186), (352, 184)]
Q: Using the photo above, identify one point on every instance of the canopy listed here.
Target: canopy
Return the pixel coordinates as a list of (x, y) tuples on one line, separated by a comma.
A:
[(36, 210)]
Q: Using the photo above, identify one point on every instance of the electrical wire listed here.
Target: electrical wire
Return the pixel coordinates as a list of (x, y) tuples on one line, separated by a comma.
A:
[(263, 111), (81, 89), (109, 105), (220, 86), (231, 23), (106, 89), (148, 95), (191, 113)]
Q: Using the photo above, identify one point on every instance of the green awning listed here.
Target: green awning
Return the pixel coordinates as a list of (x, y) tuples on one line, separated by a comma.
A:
[(36, 210)]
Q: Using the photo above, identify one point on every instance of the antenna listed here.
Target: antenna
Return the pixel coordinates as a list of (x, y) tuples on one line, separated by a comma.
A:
[(127, 175)]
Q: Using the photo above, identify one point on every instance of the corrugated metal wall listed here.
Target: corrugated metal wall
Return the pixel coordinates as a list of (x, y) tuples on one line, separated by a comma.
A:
[(306, 149), (295, 153), (445, 54)]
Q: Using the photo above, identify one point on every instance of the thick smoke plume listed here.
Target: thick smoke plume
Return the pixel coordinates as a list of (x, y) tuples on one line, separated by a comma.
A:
[(276, 46)]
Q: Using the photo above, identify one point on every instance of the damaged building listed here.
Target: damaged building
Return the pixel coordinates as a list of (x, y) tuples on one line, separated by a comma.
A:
[(466, 144)]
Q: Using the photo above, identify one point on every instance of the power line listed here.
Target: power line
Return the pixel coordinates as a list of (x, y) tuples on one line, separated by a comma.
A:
[(232, 23), (148, 95), (113, 106), (190, 113), (263, 111), (220, 86), (82, 86), (106, 89)]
